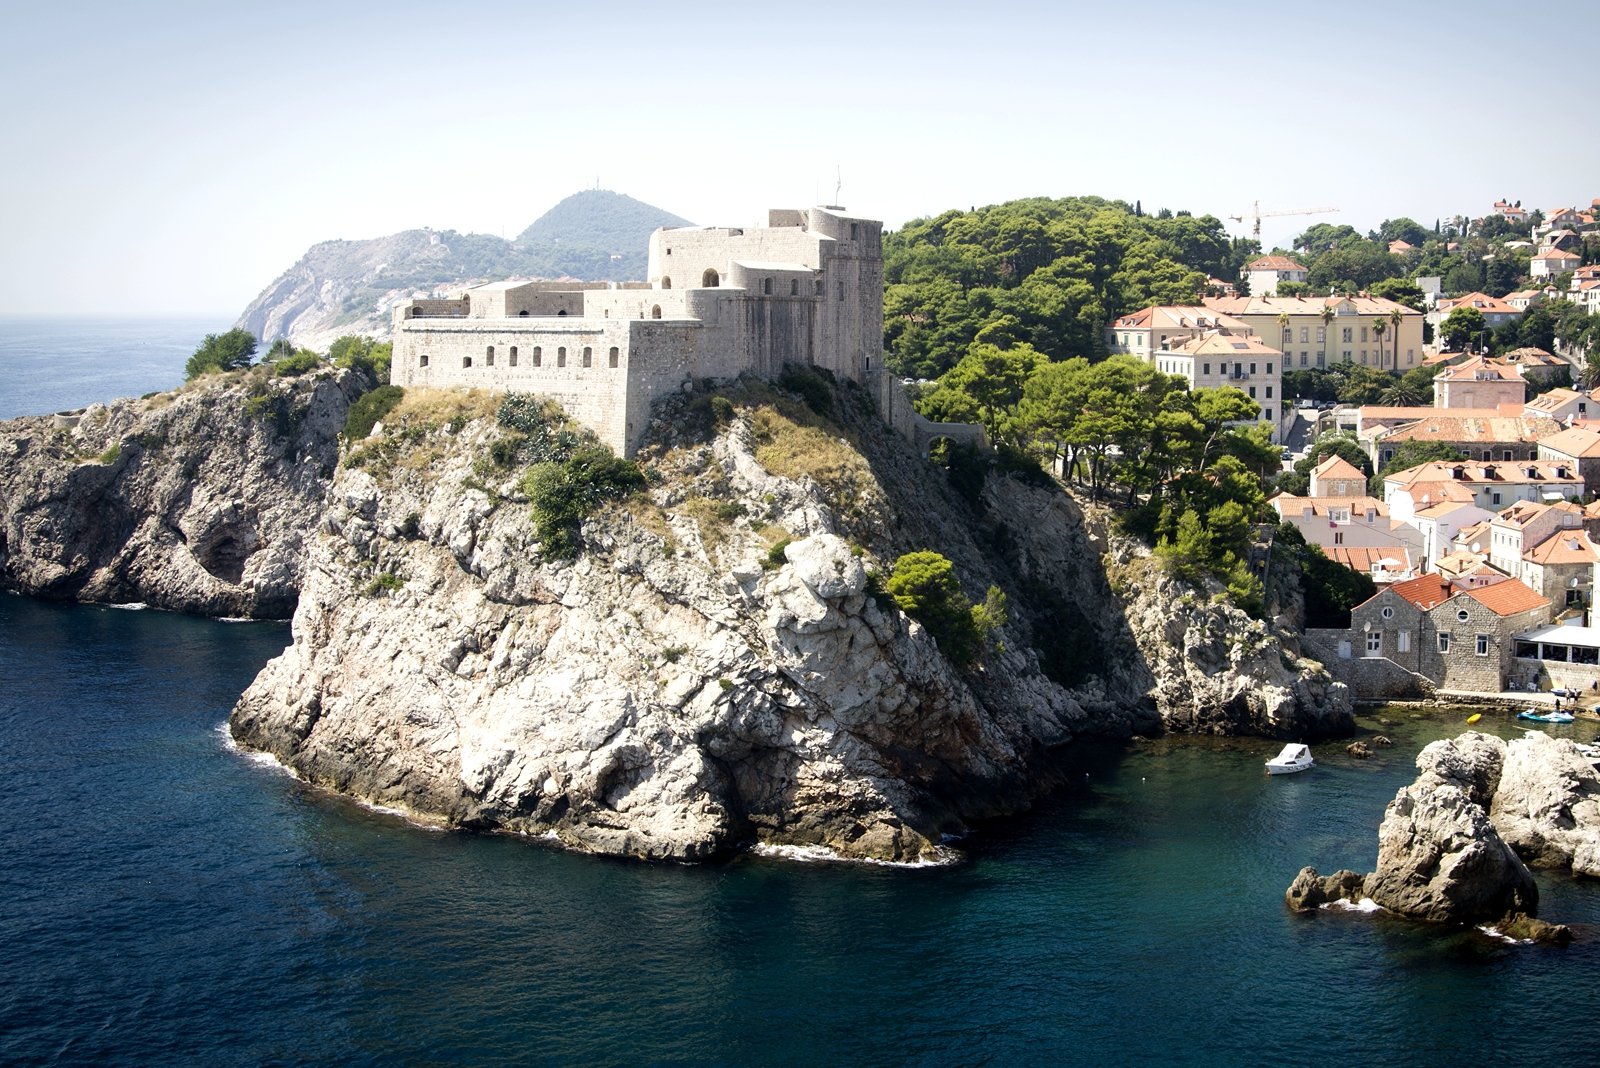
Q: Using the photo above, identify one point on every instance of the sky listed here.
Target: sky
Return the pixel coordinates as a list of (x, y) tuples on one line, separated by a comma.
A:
[(176, 157)]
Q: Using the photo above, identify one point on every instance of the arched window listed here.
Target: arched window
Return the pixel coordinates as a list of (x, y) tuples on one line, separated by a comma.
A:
[(538, 355), (411, 312), (563, 311), (523, 313), (513, 360), (422, 361), (655, 312), (794, 287), (614, 355), (466, 361), (588, 356), (709, 280), (561, 356), (666, 281), (488, 357), (766, 287)]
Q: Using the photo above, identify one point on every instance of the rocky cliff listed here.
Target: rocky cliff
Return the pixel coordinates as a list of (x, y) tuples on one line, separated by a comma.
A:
[(201, 500), (719, 665)]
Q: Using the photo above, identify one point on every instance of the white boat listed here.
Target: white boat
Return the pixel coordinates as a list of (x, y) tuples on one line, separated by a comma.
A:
[(1295, 757)]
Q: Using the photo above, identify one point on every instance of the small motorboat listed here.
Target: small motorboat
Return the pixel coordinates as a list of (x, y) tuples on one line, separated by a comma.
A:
[(1295, 757), (1545, 717)]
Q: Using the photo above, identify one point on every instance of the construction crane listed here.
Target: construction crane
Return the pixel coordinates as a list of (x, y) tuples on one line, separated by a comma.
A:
[(1256, 214)]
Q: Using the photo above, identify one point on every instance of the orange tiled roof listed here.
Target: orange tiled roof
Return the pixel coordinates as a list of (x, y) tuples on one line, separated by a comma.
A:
[(1482, 301), (1336, 467), (1576, 442), (1563, 547), (1507, 598), (1425, 591), (1274, 263), (1365, 558)]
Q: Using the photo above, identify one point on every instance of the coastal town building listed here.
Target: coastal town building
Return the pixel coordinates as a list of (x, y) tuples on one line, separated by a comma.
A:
[(1329, 331), (1479, 382), (1262, 274), (1481, 434), (1207, 350), (1576, 447), (807, 288), (1457, 638), (1549, 262), (1495, 312)]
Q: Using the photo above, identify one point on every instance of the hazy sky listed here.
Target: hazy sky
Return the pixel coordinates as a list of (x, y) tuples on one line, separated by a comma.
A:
[(177, 157)]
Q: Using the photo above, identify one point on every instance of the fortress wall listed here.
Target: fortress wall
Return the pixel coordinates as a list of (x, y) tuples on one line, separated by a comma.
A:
[(596, 395), (694, 251)]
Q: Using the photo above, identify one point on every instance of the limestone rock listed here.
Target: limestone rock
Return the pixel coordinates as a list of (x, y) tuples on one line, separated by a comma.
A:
[(201, 500), (1547, 806), (1311, 890), (1439, 857)]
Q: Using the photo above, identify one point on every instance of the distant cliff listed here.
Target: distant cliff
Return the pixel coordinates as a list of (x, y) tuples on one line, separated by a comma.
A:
[(201, 500), (343, 287), (719, 667)]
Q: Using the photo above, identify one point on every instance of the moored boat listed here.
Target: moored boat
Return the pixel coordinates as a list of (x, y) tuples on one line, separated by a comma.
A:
[(1545, 717), (1295, 757)]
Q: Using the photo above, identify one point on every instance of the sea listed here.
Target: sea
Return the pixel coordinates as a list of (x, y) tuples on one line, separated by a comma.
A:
[(167, 899)]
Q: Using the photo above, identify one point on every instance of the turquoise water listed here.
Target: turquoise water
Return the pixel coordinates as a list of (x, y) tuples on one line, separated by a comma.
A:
[(50, 364), (166, 900)]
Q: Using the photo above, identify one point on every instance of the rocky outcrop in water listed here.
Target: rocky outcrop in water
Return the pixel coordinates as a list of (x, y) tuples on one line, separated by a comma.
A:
[(1439, 856), (1449, 842), (1548, 805), (201, 500), (694, 682)]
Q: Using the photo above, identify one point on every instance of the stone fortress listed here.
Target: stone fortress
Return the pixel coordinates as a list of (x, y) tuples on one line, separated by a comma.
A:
[(807, 289)]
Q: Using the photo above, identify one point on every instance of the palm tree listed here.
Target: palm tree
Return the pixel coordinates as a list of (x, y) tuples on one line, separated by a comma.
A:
[(1379, 325), (1401, 395), (1327, 331), (1396, 317)]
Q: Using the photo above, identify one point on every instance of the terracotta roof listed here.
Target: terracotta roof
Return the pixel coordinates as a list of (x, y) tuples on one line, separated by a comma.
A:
[(1477, 473), (1507, 598), (1473, 429), (1219, 343), (1180, 317), (1482, 301), (1363, 559), (1555, 398), (1397, 246), (1556, 254), (1274, 263), (1336, 467), (1563, 547), (1530, 355), (1479, 369), (1425, 591), (1357, 305), (1289, 505), (1521, 513), (1439, 499), (1576, 442), (1462, 563)]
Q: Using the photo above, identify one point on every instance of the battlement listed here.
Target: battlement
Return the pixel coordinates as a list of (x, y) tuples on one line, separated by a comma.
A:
[(719, 302)]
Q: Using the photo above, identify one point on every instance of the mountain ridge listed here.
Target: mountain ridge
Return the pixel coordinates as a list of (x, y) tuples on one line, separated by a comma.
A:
[(347, 286)]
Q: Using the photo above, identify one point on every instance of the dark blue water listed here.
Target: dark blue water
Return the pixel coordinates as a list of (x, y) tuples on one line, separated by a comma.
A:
[(164, 900), (50, 364)]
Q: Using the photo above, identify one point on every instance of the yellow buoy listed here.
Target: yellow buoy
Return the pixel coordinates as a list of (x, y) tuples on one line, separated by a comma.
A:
[(1475, 717)]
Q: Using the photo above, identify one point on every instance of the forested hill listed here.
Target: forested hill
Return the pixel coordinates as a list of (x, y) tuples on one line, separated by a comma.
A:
[(346, 287), (1051, 273)]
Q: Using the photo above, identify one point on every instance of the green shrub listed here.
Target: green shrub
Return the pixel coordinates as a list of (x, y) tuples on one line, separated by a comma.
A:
[(383, 583), (811, 386), (221, 352), (562, 493), (722, 410), (371, 407), (363, 354), (924, 586), (297, 364), (110, 455), (775, 558)]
